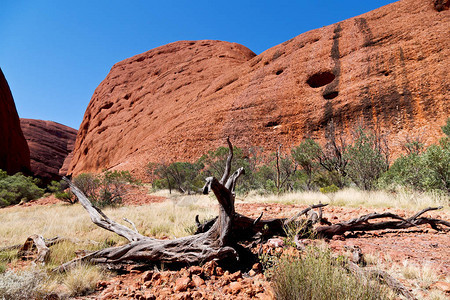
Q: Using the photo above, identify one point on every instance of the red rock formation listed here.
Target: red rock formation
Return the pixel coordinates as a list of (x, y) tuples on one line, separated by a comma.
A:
[(14, 153), (50, 144), (175, 102)]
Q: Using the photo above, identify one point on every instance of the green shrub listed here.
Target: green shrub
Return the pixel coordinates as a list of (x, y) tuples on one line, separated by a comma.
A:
[(106, 189), (18, 188), (317, 275), (366, 159), (61, 191), (307, 156), (425, 171)]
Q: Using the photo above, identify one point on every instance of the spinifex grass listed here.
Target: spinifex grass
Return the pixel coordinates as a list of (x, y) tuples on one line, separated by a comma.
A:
[(317, 275)]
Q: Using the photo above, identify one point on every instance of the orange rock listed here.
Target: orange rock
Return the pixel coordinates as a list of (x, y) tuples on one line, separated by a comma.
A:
[(235, 287), (197, 280), (182, 284), (176, 102)]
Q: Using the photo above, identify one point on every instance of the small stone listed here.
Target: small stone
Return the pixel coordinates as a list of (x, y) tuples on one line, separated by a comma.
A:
[(235, 287), (219, 271), (182, 284), (257, 267), (226, 290), (209, 268), (252, 273), (147, 276), (196, 270), (197, 280), (236, 275)]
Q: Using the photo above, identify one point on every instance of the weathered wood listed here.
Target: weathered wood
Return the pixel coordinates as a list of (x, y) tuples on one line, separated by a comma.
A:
[(383, 277), (100, 219), (215, 243), (362, 223), (33, 242)]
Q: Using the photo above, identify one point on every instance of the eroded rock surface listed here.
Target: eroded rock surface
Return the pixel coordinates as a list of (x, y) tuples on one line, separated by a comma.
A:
[(388, 67), (50, 144), (14, 152)]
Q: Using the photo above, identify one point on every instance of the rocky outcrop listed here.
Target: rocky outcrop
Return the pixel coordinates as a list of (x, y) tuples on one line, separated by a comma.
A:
[(50, 144), (14, 153), (386, 68)]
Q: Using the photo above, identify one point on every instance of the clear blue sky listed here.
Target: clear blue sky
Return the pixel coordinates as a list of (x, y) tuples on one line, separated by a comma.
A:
[(55, 53)]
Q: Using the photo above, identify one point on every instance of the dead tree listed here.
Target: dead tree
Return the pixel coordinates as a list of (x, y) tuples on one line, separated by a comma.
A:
[(214, 243), (218, 238)]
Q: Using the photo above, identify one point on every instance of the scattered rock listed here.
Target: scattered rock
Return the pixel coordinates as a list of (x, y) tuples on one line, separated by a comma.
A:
[(197, 280), (182, 284), (235, 287)]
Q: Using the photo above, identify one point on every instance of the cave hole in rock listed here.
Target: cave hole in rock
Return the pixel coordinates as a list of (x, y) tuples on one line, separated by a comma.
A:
[(272, 123), (279, 72), (320, 79), (331, 95)]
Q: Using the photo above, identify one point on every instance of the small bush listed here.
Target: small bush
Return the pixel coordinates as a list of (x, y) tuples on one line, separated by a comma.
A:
[(61, 192), (82, 279), (18, 188), (318, 275), (21, 285), (106, 189)]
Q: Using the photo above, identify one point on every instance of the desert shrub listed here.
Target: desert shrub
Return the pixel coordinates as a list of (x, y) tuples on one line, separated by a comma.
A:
[(366, 159), (183, 176), (61, 191), (105, 189), (317, 275), (428, 170), (214, 165), (21, 285), (306, 155), (18, 188)]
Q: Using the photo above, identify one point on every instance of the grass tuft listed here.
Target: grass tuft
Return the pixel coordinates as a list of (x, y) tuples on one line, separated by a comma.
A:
[(82, 279), (317, 275)]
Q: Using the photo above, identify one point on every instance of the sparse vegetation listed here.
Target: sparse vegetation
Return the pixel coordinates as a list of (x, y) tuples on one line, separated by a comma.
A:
[(318, 275), (82, 280), (310, 167), (25, 284), (105, 189), (61, 191)]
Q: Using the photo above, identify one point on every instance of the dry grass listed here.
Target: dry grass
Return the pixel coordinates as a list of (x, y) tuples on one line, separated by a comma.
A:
[(354, 198), (173, 218), (82, 279), (170, 219), (420, 277)]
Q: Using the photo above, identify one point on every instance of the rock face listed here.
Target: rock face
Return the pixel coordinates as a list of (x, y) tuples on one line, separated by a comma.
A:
[(386, 68), (14, 152), (50, 145)]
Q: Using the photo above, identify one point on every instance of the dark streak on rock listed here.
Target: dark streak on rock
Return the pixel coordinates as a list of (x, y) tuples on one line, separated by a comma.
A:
[(333, 86), (407, 102), (366, 99)]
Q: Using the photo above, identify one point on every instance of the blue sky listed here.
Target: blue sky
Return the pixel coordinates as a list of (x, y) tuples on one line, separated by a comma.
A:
[(55, 53)]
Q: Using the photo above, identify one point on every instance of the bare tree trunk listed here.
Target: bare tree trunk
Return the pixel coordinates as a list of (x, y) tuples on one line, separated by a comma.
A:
[(215, 243)]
